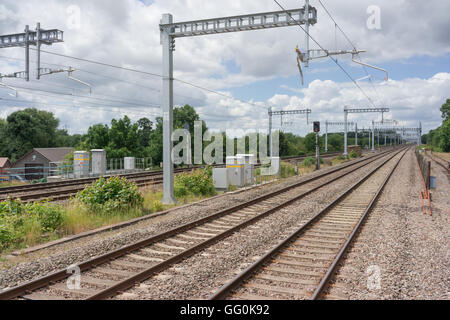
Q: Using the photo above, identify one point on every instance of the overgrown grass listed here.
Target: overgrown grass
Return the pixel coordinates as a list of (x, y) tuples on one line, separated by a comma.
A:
[(25, 225), (434, 149), (287, 170), (196, 183), (4, 184), (21, 224)]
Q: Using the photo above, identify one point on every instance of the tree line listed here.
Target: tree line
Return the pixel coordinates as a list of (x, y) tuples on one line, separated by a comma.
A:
[(32, 128), (439, 139)]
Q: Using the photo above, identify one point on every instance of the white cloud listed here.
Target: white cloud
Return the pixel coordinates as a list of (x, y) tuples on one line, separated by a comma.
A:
[(410, 100), (127, 34)]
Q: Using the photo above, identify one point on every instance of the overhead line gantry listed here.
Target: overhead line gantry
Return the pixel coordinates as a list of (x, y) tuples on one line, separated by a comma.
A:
[(170, 31), (340, 124), (362, 110), (282, 113)]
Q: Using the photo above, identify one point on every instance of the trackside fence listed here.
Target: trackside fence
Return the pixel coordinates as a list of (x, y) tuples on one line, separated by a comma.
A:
[(425, 170)]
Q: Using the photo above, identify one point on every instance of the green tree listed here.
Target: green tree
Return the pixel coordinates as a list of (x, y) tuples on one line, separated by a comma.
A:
[(154, 150), (336, 142), (97, 136), (181, 116), (445, 109), (436, 138), (145, 129), (3, 138), (123, 139), (310, 142), (445, 136), (27, 129)]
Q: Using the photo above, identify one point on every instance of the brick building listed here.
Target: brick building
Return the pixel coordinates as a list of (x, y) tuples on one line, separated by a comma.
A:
[(37, 163)]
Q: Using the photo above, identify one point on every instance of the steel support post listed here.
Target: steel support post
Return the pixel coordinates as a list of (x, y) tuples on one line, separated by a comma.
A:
[(306, 34), (38, 52), (345, 132), (27, 53), (326, 136), (373, 136), (419, 138), (167, 107), (317, 152), (356, 134), (385, 139), (270, 132)]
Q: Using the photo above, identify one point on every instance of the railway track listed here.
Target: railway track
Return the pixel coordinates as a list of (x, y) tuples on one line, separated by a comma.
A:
[(58, 191), (107, 275), (442, 162), (301, 266)]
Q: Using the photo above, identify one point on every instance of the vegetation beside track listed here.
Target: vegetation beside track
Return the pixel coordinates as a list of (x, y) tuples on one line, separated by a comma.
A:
[(105, 202)]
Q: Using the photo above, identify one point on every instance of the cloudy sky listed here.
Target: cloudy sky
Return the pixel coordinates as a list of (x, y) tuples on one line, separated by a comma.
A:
[(412, 43)]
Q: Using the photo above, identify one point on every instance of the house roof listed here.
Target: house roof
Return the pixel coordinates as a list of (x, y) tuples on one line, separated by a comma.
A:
[(54, 154), (3, 162)]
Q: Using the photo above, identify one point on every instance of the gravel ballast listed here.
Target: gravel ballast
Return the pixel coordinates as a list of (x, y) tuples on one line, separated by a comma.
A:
[(40, 263), (203, 274), (406, 250)]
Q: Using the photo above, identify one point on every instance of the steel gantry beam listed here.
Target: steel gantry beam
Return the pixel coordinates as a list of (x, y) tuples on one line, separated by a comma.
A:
[(30, 37), (361, 110), (20, 39), (248, 22), (170, 31), (340, 124), (282, 113)]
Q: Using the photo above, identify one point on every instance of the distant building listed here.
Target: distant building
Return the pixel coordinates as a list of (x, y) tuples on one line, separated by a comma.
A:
[(37, 163), (5, 164)]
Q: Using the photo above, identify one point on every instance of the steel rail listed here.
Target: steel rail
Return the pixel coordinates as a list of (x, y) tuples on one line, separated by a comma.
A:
[(225, 290), (128, 283), (50, 185), (142, 179), (433, 157), (59, 195), (92, 263), (323, 283)]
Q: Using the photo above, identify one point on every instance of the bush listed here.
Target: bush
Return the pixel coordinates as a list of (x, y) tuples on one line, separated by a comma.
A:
[(114, 194), (50, 216), (157, 206), (198, 183), (180, 190), (7, 234), (287, 170), (310, 161), (352, 155), (17, 217), (43, 180)]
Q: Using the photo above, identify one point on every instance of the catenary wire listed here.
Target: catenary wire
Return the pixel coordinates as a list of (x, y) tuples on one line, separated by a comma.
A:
[(335, 61)]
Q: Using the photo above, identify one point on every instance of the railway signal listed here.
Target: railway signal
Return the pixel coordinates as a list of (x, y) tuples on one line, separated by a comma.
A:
[(316, 126), (317, 131)]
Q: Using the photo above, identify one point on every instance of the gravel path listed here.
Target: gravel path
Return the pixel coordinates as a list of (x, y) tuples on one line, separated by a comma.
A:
[(24, 268), (202, 274), (408, 250)]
